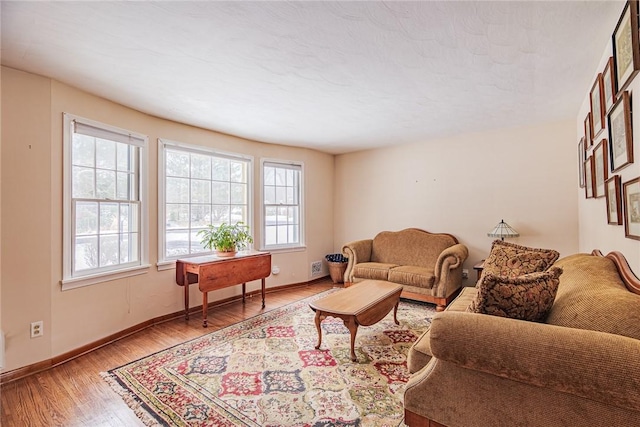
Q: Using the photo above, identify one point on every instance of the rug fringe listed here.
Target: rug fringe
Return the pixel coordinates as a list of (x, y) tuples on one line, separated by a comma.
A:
[(131, 400)]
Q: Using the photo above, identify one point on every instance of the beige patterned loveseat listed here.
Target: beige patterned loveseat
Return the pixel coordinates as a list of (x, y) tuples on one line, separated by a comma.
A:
[(427, 265), (580, 367)]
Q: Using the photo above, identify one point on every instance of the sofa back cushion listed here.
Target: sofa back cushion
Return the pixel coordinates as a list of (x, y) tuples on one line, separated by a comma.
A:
[(410, 247), (591, 295)]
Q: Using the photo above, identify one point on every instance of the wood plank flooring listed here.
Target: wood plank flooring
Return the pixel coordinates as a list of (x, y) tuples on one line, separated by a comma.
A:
[(74, 394)]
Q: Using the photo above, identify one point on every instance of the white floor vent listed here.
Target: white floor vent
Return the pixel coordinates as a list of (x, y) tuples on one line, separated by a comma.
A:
[(316, 268)]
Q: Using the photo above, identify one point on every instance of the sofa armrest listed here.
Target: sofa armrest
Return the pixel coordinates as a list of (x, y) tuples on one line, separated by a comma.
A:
[(449, 259), (595, 365), (358, 251)]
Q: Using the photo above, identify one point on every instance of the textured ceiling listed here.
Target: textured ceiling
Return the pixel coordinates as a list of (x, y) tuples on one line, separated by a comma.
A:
[(333, 76)]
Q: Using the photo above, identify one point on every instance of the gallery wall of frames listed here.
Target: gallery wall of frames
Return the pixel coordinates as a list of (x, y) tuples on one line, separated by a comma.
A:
[(606, 147)]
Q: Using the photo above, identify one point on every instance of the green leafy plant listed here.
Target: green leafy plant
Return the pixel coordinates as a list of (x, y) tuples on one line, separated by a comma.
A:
[(226, 237)]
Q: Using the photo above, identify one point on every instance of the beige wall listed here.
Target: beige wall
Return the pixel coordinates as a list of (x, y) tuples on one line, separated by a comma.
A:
[(595, 232), (26, 211), (465, 185), (32, 108)]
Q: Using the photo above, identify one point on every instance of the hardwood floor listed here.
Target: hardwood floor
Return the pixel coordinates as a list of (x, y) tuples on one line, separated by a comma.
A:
[(74, 394)]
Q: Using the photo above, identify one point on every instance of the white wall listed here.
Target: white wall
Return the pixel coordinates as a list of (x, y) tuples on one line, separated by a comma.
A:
[(595, 232), (32, 108), (464, 185)]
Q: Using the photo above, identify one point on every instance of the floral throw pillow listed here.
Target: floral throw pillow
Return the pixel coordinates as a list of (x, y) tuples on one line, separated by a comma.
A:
[(527, 297), (511, 260)]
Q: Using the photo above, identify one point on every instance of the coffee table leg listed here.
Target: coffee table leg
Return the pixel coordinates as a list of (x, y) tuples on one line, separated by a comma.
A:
[(395, 312), (353, 328), (318, 320)]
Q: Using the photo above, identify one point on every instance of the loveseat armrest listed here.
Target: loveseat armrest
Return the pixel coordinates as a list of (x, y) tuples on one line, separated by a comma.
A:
[(357, 251), (594, 365), (450, 259)]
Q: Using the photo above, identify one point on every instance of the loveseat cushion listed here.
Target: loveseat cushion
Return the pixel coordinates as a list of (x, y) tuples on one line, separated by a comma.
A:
[(592, 296), (527, 297), (410, 275), (373, 270), (511, 260), (410, 246), (420, 352)]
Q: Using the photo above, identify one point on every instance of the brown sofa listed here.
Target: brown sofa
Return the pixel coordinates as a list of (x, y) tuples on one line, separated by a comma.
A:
[(427, 265), (581, 367)]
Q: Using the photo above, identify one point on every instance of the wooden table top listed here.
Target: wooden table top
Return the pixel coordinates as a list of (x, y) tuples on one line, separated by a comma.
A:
[(205, 259), (357, 298)]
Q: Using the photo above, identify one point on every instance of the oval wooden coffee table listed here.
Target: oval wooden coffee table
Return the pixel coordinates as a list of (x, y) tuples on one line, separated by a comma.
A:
[(363, 304)]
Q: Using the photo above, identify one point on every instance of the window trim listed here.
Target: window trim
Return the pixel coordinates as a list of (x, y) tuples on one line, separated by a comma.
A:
[(166, 264), (92, 277), (301, 245)]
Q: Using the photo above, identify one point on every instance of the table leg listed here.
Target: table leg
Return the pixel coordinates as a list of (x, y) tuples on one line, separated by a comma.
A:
[(205, 304), (318, 321), (263, 291), (244, 290), (186, 295), (395, 312), (353, 329)]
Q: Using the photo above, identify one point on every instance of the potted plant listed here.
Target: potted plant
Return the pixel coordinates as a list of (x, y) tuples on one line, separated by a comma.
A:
[(226, 239)]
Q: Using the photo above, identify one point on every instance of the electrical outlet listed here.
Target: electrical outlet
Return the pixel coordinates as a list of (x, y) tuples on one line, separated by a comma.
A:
[(37, 329), (465, 273)]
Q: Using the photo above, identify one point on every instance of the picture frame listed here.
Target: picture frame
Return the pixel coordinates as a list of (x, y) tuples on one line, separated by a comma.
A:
[(597, 106), (609, 85), (631, 197), (614, 203), (588, 177), (582, 154), (601, 170), (588, 131), (620, 133), (626, 52)]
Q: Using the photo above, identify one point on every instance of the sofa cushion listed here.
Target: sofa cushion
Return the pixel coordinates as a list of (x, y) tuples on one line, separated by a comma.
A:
[(511, 260), (410, 246), (526, 297), (420, 352), (372, 270), (412, 276), (592, 296)]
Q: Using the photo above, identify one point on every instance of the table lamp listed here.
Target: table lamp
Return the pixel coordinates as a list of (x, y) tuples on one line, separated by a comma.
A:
[(503, 230)]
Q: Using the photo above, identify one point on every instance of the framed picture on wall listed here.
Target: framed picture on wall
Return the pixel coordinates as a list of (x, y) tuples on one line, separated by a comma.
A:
[(588, 177), (601, 172), (626, 54), (609, 85), (614, 203), (588, 131), (597, 109), (631, 197), (620, 133), (582, 154)]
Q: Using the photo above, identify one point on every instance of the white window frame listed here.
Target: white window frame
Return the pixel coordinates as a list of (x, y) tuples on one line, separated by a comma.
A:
[(301, 224), (71, 279), (165, 263)]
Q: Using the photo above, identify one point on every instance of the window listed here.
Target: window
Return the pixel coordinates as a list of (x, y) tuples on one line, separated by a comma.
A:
[(105, 202), (198, 187), (282, 205)]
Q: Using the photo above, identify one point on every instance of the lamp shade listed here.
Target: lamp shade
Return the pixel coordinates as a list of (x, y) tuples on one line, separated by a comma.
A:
[(503, 230)]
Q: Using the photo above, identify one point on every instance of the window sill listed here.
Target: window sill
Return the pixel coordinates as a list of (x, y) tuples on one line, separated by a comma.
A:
[(165, 265), (78, 282), (284, 250)]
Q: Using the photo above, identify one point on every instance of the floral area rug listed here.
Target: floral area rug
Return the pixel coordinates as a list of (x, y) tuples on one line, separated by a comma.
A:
[(265, 371)]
